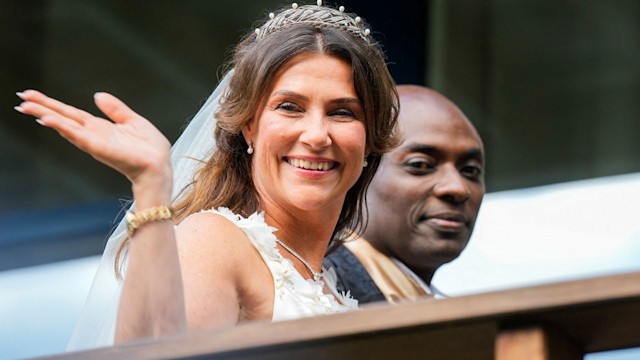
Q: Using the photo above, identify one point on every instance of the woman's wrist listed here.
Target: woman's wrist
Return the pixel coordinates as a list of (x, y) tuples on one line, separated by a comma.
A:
[(136, 219), (153, 187)]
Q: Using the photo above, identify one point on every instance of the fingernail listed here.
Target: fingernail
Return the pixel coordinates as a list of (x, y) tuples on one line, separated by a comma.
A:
[(18, 109), (40, 122), (99, 93), (20, 94)]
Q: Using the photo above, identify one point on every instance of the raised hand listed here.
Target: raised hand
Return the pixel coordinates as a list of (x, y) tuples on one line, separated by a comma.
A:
[(133, 146), (130, 144)]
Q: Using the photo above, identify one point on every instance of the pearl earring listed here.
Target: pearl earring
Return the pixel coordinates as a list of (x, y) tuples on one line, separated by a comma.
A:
[(250, 148), (365, 163)]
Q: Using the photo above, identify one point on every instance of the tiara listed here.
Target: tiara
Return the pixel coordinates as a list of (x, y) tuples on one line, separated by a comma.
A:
[(317, 16)]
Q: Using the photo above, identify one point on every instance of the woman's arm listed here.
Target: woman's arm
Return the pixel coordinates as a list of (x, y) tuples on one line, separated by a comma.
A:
[(196, 275), (152, 301), (213, 251)]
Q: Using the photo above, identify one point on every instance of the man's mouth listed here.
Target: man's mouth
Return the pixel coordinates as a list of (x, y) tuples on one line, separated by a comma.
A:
[(449, 222)]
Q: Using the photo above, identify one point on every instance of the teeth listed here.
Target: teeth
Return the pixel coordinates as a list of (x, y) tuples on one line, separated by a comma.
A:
[(311, 165)]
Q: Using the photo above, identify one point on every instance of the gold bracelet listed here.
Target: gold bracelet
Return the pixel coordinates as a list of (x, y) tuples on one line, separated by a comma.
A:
[(156, 213)]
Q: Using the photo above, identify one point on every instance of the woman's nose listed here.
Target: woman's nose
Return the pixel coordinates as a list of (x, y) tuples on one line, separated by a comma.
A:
[(315, 133)]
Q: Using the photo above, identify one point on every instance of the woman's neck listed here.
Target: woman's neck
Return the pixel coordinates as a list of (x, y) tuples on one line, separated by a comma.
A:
[(306, 233)]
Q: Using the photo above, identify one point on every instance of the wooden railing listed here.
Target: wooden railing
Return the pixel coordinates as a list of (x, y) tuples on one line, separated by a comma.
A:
[(554, 321)]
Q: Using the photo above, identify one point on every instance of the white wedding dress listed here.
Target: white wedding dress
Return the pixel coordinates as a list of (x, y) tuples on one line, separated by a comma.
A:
[(295, 297)]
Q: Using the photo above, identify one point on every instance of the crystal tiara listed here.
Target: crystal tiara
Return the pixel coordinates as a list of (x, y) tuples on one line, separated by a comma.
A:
[(318, 16)]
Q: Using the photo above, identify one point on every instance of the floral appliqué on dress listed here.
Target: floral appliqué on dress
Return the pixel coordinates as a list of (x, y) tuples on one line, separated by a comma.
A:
[(295, 297)]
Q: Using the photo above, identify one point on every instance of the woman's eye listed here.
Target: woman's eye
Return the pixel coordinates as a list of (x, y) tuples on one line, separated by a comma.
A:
[(344, 114), (289, 106)]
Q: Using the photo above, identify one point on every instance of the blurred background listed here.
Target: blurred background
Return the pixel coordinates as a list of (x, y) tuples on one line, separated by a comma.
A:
[(553, 87)]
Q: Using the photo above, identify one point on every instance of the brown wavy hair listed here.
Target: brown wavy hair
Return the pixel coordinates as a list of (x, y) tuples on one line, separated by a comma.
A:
[(225, 179)]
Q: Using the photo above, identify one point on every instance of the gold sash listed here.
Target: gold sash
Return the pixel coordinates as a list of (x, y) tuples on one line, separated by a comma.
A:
[(393, 282)]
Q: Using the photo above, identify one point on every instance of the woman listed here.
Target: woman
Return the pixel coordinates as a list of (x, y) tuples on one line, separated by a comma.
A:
[(307, 112)]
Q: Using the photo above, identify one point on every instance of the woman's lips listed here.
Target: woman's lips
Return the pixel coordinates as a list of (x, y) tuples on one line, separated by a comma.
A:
[(311, 164)]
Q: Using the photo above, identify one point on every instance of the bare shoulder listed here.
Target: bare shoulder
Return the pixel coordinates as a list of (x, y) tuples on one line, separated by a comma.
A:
[(209, 229), (208, 240), (213, 251)]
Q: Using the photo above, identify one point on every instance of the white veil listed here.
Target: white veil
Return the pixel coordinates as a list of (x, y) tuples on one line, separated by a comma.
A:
[(96, 326)]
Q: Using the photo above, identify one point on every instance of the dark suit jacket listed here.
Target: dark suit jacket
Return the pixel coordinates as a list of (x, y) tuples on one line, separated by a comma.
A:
[(352, 276)]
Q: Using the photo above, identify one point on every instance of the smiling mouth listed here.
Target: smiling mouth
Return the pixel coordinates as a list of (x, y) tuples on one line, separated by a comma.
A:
[(311, 165)]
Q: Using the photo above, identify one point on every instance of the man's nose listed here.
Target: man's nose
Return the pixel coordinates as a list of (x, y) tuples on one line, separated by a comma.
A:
[(451, 185)]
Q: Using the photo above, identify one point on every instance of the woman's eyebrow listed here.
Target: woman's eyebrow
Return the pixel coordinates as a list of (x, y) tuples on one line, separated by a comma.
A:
[(293, 94), (289, 93), (345, 101)]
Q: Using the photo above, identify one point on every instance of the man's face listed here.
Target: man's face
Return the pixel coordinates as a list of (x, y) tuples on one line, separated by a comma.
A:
[(424, 200)]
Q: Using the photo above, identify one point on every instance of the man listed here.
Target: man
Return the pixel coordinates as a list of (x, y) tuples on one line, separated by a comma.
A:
[(423, 203)]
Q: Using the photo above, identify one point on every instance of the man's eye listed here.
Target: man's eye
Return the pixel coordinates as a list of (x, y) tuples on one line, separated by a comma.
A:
[(419, 166), (472, 172)]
